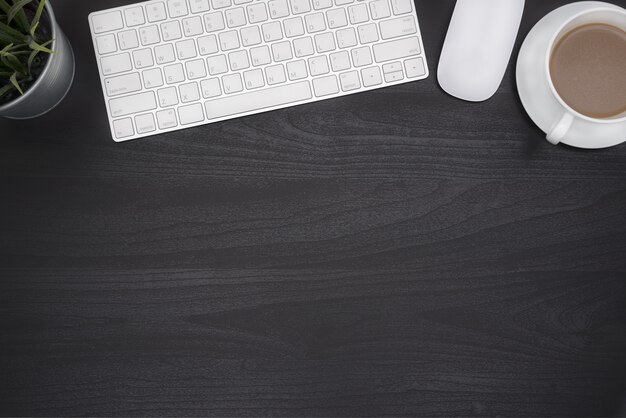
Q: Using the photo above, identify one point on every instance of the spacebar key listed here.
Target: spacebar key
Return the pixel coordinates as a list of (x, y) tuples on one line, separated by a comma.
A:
[(258, 100)]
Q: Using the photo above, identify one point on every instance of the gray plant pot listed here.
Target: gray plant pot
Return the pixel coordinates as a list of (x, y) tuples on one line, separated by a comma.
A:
[(53, 83)]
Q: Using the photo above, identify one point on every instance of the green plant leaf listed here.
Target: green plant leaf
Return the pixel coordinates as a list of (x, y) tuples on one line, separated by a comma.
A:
[(14, 81), (5, 89), (20, 16), (16, 8), (35, 22), (13, 63), (33, 55), (9, 33), (36, 47), (31, 58)]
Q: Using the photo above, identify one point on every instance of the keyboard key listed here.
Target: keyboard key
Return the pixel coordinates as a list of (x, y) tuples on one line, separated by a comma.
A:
[(394, 28), (186, 49), (214, 21), (128, 39), (272, 31), (177, 8), (303, 47), (106, 22), (257, 13), (297, 70), (152, 78), (322, 4), (106, 44), (211, 88), (156, 12), (368, 33), (189, 93), (167, 119), (195, 69), (235, 17), (394, 50), (340, 61), (142, 58), (134, 16), (315, 22), (393, 72), (174, 73), (123, 128), (171, 31), (192, 26), (346, 38), (229, 40), (318, 65), (371, 76), (350, 81), (258, 100), (260, 55), (415, 67), (392, 77), (217, 64), (325, 86), (300, 6), (254, 79), (221, 4), (164, 54), (275, 74), (358, 13), (149, 35), (238, 60), (293, 27), (278, 8), (207, 45), (392, 67), (337, 18), (401, 7), (281, 51), (128, 105), (250, 36), (361, 56), (199, 6), (190, 114), (379, 9), (145, 123), (324, 42), (168, 97), (114, 64), (232, 83), (128, 83)]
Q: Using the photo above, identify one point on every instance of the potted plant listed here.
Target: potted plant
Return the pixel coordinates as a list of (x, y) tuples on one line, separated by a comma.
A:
[(36, 60)]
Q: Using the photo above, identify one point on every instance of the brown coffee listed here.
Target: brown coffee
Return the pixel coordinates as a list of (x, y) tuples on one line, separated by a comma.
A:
[(588, 69)]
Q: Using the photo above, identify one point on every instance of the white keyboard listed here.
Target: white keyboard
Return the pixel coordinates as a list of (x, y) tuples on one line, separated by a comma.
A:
[(172, 64)]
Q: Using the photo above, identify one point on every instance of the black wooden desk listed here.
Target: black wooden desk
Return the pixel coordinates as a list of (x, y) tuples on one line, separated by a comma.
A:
[(397, 252)]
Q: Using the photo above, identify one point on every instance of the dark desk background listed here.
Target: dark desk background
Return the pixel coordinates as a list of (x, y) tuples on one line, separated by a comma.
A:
[(397, 252)]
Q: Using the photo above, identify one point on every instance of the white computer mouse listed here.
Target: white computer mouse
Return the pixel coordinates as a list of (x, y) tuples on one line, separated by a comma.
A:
[(478, 47)]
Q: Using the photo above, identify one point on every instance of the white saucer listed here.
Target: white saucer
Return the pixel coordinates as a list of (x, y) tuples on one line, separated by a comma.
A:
[(533, 87)]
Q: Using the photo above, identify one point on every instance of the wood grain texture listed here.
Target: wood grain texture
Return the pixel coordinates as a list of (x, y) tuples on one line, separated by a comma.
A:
[(393, 253)]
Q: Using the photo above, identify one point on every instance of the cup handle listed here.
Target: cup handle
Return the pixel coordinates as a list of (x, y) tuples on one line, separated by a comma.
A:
[(561, 128)]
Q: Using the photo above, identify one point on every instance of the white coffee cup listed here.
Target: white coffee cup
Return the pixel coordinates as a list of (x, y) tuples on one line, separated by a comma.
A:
[(538, 93)]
